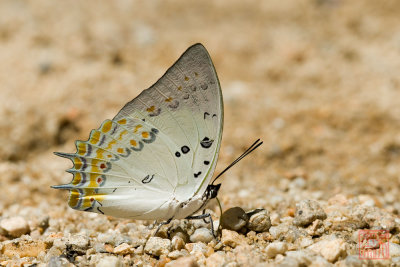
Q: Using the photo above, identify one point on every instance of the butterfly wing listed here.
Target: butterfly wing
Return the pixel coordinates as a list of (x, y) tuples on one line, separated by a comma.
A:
[(162, 145)]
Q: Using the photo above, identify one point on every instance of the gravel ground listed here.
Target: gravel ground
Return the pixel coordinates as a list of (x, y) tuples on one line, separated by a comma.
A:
[(316, 80)]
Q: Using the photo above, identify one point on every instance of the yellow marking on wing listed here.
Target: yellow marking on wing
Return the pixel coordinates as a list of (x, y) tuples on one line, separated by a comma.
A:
[(77, 163), (106, 126), (133, 142), (179, 88), (145, 134), (123, 121), (186, 78), (122, 134), (137, 127), (169, 99), (95, 167), (151, 109), (93, 180), (113, 142), (81, 148), (89, 198), (73, 198), (99, 154), (196, 74), (95, 137), (120, 150), (77, 178)]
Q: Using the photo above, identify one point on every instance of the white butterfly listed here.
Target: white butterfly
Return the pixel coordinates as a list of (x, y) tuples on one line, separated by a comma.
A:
[(154, 160)]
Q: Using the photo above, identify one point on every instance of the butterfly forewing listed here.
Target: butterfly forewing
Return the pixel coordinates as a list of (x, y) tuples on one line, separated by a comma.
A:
[(162, 145)]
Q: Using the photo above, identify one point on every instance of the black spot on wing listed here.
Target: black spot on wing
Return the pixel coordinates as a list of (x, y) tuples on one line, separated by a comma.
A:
[(177, 154), (197, 174), (147, 179), (206, 162), (185, 149), (206, 114), (206, 142)]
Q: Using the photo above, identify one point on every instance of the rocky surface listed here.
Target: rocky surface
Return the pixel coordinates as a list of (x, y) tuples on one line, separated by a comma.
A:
[(316, 80)]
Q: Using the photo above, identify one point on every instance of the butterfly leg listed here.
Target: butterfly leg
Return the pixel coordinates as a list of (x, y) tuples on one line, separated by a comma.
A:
[(204, 219), (161, 224), (204, 216)]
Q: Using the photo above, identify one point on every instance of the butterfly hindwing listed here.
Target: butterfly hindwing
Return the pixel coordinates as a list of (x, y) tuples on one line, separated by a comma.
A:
[(162, 145)]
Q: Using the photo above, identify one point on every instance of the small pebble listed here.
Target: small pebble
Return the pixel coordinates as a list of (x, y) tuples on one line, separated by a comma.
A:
[(232, 238), (22, 248), (394, 250), (177, 243), (15, 226), (58, 262), (353, 261), (178, 231), (215, 260), (123, 249), (109, 261), (189, 261), (234, 219), (331, 248), (78, 243), (307, 211), (157, 246), (259, 220), (276, 248), (302, 257), (178, 254), (279, 230), (201, 235)]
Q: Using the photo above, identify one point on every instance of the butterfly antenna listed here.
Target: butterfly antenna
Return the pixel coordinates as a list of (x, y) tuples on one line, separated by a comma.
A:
[(253, 147)]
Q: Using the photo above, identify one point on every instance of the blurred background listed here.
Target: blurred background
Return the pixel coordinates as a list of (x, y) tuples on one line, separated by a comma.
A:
[(316, 80)]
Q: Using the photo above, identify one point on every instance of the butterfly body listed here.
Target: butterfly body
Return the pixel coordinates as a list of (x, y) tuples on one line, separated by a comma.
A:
[(155, 158)]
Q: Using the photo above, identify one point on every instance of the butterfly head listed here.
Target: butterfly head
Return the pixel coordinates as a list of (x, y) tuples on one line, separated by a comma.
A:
[(212, 191)]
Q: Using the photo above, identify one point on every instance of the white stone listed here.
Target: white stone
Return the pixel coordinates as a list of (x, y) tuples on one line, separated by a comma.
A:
[(301, 257), (79, 243), (394, 250), (15, 226), (331, 248), (276, 248), (178, 254), (177, 243), (183, 262), (157, 246), (201, 235), (308, 211), (109, 261)]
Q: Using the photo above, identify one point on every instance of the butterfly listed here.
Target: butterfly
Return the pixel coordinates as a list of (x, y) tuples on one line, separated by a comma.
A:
[(155, 159)]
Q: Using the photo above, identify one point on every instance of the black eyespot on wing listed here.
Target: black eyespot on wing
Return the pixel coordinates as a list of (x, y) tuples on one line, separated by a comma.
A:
[(177, 154), (154, 130), (206, 142), (185, 149), (206, 162)]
